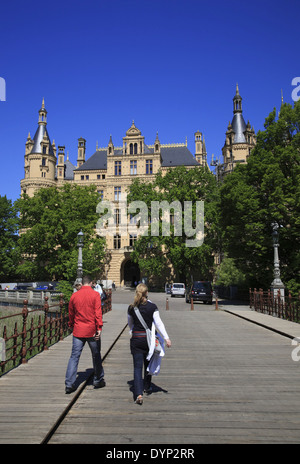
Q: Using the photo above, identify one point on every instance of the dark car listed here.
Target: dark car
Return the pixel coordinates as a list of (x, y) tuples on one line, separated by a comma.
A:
[(200, 291)]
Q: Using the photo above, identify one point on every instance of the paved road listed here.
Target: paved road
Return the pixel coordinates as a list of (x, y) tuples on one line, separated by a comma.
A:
[(224, 380)]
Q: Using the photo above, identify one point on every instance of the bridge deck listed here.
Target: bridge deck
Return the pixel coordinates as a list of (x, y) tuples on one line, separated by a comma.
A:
[(225, 380)]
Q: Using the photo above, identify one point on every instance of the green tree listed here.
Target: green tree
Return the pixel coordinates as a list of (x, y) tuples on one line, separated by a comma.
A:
[(228, 274), (155, 253), (49, 224), (266, 190), (8, 240)]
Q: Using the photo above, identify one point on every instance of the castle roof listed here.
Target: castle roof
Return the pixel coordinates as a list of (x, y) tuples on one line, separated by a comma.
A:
[(238, 127), (37, 139), (171, 156)]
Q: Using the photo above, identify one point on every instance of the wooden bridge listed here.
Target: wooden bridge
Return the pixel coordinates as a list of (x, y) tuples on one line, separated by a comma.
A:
[(231, 376)]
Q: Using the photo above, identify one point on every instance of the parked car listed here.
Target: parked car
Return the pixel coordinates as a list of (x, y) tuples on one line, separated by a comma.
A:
[(178, 289), (200, 291)]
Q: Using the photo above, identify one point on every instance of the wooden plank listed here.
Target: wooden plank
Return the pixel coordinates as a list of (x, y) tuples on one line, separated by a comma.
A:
[(32, 396), (224, 380)]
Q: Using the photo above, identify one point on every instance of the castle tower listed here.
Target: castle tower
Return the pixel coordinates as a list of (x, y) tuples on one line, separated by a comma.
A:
[(40, 158), (81, 152), (240, 137), (61, 163), (200, 149)]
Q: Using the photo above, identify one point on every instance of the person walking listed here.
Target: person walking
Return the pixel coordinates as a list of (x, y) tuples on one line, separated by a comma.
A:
[(85, 318), (138, 343)]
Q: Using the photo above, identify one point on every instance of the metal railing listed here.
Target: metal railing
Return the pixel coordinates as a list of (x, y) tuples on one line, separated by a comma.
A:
[(34, 297), (285, 308), (32, 331)]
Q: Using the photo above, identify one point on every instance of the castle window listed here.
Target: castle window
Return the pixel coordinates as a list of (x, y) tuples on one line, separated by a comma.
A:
[(117, 193), (44, 150), (133, 167), (44, 161), (100, 193), (117, 215), (82, 177), (132, 240), (135, 148), (98, 176), (118, 168), (131, 149), (149, 167), (87, 177)]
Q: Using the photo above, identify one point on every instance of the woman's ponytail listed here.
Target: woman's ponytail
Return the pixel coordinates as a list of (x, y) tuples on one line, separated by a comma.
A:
[(140, 295)]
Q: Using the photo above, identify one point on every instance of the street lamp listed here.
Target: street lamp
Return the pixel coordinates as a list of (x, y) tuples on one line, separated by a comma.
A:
[(277, 283), (80, 237), (216, 163)]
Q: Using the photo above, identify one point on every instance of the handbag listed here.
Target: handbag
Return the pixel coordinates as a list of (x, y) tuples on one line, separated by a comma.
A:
[(157, 347)]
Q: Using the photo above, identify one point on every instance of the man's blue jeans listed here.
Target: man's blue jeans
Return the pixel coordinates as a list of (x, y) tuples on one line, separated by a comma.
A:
[(77, 347), (139, 384)]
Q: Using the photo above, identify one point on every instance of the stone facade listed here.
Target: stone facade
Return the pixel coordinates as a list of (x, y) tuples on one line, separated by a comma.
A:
[(112, 169)]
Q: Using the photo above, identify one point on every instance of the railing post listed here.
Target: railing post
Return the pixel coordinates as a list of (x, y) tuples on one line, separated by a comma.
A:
[(61, 305), (167, 304), (24, 332), (261, 296), (255, 299), (46, 308), (192, 304)]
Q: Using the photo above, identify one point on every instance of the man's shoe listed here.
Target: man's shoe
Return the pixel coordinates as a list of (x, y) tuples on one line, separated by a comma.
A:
[(101, 384), (70, 390)]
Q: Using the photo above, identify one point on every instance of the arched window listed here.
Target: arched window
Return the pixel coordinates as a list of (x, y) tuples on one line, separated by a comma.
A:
[(131, 149), (135, 148)]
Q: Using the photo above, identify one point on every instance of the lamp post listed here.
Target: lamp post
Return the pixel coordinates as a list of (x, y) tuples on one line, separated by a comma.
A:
[(80, 237), (216, 163), (277, 283)]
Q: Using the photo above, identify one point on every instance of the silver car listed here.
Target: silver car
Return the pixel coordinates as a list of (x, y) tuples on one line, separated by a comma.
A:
[(178, 290)]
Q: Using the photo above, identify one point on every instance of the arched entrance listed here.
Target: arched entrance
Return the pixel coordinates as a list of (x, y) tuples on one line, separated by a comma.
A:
[(131, 273)]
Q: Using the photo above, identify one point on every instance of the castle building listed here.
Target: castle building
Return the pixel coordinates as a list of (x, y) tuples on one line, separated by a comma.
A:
[(111, 170), (240, 139)]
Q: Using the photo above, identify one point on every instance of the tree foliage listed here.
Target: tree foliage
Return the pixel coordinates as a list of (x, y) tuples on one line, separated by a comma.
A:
[(264, 191), (8, 240), (155, 254), (49, 224)]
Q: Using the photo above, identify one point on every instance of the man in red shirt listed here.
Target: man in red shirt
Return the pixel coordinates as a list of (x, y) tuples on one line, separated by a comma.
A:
[(85, 318)]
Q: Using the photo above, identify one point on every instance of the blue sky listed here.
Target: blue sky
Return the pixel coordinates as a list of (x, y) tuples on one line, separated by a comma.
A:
[(171, 65)]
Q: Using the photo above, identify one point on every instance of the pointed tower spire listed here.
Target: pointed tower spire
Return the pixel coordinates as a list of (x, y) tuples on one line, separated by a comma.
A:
[(237, 101), (43, 114), (110, 148), (157, 144)]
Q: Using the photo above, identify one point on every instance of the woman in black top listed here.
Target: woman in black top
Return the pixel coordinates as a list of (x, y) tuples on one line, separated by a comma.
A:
[(138, 343)]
